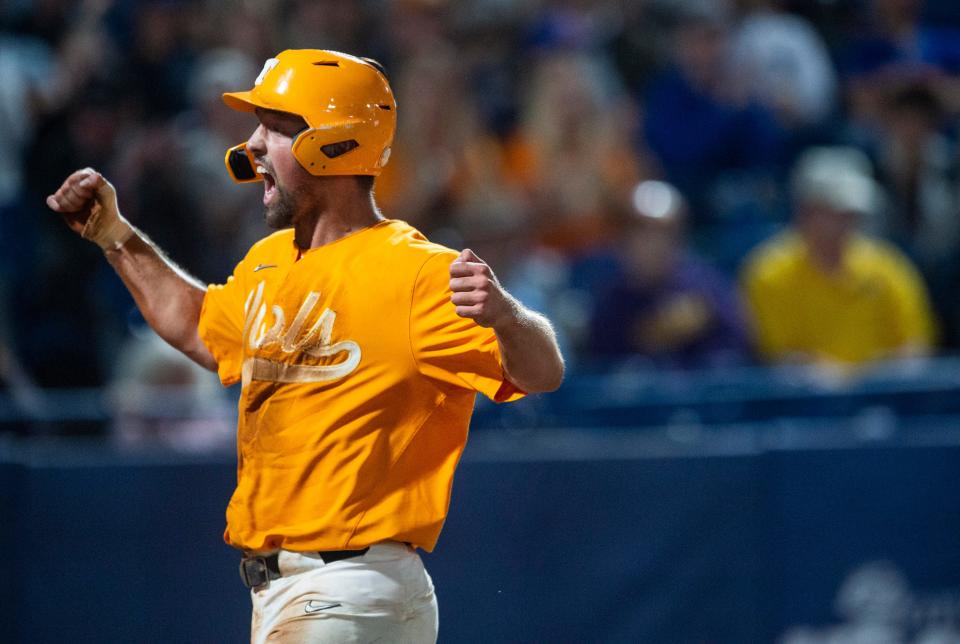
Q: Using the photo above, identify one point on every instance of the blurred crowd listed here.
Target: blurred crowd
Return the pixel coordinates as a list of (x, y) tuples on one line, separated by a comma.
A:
[(679, 184)]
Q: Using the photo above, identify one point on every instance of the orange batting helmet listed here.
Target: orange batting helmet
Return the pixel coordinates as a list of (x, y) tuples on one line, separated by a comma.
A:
[(346, 101)]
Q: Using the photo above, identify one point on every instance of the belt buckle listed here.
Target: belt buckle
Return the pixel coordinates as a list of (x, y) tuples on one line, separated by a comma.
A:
[(254, 573)]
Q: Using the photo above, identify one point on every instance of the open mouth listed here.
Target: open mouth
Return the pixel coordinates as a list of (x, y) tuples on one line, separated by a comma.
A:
[(269, 184)]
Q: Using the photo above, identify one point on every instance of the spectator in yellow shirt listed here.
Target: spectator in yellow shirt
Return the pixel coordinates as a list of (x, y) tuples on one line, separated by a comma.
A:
[(823, 292)]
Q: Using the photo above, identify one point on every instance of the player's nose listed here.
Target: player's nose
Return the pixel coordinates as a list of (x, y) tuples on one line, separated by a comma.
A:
[(257, 143)]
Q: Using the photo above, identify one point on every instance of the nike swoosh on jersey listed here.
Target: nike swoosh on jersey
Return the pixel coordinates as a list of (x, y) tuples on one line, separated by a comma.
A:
[(316, 607), (260, 267)]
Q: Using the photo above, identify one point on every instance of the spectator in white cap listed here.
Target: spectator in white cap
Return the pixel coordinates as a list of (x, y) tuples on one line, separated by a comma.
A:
[(825, 293)]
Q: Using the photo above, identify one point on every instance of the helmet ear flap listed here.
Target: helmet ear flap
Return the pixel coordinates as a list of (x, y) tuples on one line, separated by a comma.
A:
[(240, 164), (304, 147), (338, 151), (315, 156)]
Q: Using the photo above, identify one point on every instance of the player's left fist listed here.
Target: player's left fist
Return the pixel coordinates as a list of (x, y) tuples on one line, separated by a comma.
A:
[(477, 294)]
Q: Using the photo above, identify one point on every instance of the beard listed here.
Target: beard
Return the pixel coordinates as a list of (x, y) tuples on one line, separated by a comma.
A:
[(280, 212)]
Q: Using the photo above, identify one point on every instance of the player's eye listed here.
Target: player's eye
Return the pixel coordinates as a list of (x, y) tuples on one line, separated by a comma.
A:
[(284, 128), (281, 123)]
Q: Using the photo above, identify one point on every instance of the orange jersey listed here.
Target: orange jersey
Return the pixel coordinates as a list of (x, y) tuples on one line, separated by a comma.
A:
[(358, 381)]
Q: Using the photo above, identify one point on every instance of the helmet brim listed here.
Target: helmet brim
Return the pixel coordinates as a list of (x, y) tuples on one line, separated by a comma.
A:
[(242, 101), (250, 101)]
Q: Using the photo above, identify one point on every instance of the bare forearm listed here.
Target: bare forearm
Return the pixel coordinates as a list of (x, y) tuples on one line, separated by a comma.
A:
[(169, 299), (528, 348), (528, 345)]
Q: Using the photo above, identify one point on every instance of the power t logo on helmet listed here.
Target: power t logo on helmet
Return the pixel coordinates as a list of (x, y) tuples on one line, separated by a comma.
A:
[(346, 101), (267, 66)]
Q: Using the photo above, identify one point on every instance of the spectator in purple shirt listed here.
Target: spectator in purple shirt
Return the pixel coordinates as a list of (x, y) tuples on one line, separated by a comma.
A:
[(666, 306)]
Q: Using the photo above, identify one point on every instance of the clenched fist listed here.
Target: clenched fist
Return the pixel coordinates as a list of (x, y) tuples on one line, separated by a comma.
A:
[(477, 294), (88, 203)]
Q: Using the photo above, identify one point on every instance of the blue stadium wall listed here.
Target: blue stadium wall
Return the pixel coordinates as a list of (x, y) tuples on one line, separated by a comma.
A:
[(591, 546)]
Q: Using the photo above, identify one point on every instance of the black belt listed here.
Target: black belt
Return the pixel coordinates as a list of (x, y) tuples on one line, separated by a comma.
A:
[(258, 570)]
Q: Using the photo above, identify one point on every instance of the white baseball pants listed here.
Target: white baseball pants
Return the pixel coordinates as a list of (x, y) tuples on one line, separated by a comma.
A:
[(384, 595)]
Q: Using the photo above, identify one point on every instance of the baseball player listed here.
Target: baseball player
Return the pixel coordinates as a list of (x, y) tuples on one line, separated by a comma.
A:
[(360, 347)]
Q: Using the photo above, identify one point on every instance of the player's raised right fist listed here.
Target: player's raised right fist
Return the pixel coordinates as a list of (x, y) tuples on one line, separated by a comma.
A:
[(88, 203)]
